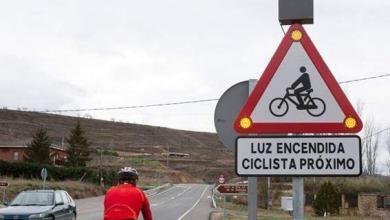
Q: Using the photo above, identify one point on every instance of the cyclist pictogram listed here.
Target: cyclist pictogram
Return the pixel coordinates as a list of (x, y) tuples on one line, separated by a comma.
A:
[(301, 90)]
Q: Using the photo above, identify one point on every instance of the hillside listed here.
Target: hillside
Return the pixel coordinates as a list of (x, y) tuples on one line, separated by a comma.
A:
[(136, 145)]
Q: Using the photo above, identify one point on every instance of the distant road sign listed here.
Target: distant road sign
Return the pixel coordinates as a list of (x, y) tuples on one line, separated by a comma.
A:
[(232, 189), (298, 156), (3, 184), (44, 174), (297, 93), (221, 179)]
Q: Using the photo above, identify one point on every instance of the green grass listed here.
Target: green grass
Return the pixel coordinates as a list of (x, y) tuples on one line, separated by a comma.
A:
[(306, 217), (240, 212), (261, 213), (110, 153), (280, 215), (311, 217)]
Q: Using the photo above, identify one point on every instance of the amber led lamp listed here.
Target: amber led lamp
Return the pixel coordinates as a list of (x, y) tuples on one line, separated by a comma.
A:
[(245, 122), (350, 122), (296, 35)]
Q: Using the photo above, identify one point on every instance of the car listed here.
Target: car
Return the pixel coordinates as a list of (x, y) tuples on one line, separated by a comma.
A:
[(40, 204)]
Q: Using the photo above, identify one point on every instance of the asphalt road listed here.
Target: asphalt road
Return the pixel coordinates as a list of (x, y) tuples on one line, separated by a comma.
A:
[(181, 202)]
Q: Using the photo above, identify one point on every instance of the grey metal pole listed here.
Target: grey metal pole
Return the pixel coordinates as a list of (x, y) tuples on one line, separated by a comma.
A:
[(269, 195), (298, 198), (224, 206), (252, 198), (252, 181)]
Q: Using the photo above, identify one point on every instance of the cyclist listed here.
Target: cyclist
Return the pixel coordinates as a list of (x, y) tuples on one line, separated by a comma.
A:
[(126, 200), (304, 81)]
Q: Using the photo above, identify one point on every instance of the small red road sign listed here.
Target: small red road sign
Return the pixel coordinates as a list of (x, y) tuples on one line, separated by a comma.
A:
[(297, 93), (232, 189), (221, 179)]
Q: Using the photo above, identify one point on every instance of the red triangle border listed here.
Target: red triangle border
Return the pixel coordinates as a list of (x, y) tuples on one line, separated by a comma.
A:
[(326, 75)]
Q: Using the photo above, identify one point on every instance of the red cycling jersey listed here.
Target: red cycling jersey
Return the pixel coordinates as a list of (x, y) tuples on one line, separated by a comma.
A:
[(124, 202)]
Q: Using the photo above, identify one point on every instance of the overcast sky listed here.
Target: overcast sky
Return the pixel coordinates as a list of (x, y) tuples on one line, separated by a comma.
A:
[(83, 54)]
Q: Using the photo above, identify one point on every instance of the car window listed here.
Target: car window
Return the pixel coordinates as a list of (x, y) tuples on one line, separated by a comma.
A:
[(58, 198), (69, 197), (64, 197), (33, 198)]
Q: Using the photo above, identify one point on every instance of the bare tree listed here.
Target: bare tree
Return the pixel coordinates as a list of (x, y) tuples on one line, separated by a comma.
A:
[(388, 151), (370, 147), (359, 109)]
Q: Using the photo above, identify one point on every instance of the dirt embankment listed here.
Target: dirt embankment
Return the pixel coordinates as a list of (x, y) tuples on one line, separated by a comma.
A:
[(136, 145)]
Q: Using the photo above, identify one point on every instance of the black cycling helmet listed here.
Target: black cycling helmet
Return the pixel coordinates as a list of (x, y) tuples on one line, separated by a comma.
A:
[(128, 175), (302, 69)]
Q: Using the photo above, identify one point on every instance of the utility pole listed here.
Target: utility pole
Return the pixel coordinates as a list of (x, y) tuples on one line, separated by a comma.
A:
[(168, 157)]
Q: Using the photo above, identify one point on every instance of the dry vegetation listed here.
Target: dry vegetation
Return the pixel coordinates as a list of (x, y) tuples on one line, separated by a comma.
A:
[(76, 189), (132, 142), (239, 212)]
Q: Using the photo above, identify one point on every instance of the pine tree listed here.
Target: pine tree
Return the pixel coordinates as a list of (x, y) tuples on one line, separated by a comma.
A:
[(327, 200), (78, 150), (39, 149)]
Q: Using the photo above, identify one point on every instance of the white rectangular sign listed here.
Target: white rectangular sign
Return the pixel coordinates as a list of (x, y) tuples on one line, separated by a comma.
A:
[(298, 156)]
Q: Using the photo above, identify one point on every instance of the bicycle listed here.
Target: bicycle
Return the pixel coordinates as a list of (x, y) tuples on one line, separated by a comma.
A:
[(314, 106)]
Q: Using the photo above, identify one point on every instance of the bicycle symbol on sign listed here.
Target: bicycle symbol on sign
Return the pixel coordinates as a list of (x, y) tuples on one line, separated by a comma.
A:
[(314, 106)]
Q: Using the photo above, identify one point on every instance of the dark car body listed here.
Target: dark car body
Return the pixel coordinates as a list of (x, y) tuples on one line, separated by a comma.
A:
[(40, 204)]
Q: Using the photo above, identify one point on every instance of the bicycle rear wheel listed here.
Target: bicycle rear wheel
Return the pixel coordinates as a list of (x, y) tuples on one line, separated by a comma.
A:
[(320, 110), (278, 107)]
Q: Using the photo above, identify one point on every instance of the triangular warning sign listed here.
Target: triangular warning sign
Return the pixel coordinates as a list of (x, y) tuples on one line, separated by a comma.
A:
[(297, 93)]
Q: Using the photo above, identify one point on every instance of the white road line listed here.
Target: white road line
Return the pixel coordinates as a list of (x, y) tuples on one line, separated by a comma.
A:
[(196, 203), (157, 194), (172, 198)]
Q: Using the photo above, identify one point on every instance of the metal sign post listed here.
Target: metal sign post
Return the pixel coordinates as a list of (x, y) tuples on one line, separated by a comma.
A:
[(252, 181), (252, 198), (298, 198), (4, 185), (44, 176), (289, 12), (224, 206)]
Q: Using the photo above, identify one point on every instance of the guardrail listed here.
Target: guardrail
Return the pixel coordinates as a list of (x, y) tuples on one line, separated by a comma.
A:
[(214, 203)]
